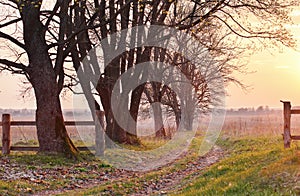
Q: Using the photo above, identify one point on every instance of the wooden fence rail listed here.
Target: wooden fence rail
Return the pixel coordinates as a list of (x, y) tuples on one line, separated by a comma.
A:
[(287, 112), (6, 133)]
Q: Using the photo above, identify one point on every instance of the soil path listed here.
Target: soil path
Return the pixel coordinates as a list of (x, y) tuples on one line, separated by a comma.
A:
[(172, 181), (165, 183)]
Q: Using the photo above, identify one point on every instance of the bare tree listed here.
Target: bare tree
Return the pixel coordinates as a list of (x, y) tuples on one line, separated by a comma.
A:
[(70, 29), (45, 75), (224, 28), (227, 29)]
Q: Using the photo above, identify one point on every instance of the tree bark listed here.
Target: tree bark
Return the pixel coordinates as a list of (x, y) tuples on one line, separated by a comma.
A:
[(134, 111), (160, 131), (51, 131), (100, 135), (188, 108)]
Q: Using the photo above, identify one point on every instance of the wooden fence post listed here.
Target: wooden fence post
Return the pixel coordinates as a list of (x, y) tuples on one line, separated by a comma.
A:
[(6, 134), (287, 123)]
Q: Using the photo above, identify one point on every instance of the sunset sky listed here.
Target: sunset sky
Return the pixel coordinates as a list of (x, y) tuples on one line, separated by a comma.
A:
[(276, 77)]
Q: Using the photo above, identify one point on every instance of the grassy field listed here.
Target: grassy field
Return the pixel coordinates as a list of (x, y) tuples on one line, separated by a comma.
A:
[(254, 163), (253, 167)]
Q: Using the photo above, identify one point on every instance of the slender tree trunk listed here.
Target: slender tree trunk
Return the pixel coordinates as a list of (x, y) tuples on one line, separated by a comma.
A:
[(177, 113), (134, 111), (158, 121), (100, 135), (188, 107), (160, 131)]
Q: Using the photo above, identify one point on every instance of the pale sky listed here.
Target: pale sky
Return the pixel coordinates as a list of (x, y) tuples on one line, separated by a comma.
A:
[(276, 77)]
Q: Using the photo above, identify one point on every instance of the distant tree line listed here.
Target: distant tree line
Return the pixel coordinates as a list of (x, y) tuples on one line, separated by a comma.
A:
[(252, 110)]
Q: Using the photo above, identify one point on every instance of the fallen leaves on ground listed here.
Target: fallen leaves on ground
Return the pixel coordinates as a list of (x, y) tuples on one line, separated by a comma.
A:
[(59, 179)]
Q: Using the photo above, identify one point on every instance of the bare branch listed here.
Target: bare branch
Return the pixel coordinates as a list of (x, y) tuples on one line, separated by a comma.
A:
[(13, 40), (13, 64), (53, 13), (10, 22)]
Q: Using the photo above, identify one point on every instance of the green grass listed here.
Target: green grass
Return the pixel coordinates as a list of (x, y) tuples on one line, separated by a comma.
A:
[(26, 143), (45, 165), (254, 167), (146, 144), (131, 185), (34, 159), (17, 188)]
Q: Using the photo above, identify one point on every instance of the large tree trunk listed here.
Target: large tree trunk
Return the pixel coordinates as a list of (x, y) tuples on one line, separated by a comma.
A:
[(51, 131), (114, 131)]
